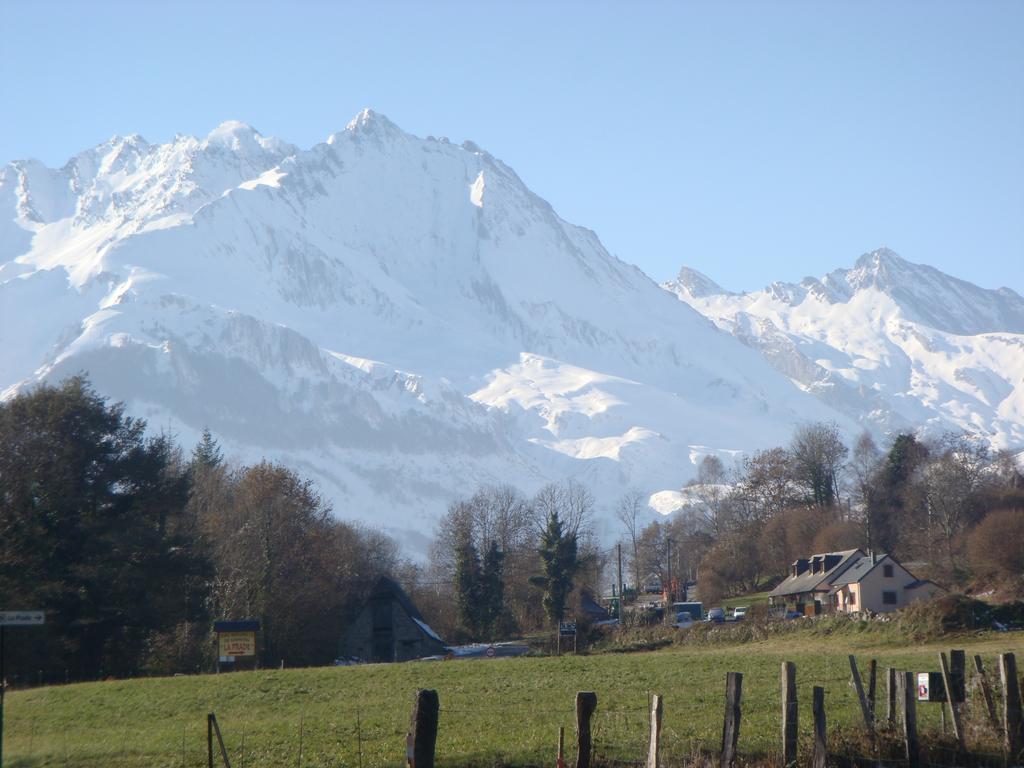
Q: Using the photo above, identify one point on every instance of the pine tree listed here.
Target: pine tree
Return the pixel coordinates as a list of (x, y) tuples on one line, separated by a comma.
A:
[(207, 453), (558, 555), (467, 586), (492, 590)]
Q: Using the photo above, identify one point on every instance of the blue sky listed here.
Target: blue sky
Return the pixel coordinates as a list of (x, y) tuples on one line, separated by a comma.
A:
[(752, 141)]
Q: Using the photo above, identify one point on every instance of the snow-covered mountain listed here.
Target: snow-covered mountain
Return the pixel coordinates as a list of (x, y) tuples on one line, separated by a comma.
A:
[(399, 318), (893, 344)]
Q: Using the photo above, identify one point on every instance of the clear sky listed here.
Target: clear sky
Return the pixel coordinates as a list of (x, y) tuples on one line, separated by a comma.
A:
[(753, 141)]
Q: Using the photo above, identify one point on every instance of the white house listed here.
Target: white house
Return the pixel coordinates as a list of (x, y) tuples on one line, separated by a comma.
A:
[(878, 583)]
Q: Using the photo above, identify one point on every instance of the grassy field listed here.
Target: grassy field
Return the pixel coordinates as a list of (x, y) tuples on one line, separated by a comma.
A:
[(755, 598), (493, 712)]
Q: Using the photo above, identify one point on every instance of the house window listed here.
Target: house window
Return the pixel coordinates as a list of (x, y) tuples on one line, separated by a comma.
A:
[(853, 598), (889, 598), (887, 571)]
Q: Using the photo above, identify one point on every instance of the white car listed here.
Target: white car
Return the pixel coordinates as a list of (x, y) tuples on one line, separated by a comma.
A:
[(683, 620), (739, 613)]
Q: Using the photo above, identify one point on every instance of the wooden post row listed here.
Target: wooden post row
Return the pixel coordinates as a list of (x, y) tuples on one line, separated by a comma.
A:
[(820, 745), (1011, 705), (789, 713), (586, 703), (423, 728), (731, 727), (657, 710), (954, 710), (908, 706)]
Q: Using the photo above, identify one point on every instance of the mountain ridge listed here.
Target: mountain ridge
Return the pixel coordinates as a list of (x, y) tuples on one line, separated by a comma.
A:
[(906, 344), (401, 318)]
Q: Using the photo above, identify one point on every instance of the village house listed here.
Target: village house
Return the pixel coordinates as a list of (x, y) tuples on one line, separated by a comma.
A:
[(849, 581), (389, 628), (809, 584), (878, 583)]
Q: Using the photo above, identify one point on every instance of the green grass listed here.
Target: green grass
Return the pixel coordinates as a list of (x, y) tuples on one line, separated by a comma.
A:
[(754, 598), (497, 712)]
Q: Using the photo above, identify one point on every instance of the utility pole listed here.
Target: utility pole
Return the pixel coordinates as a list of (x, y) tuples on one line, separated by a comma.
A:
[(620, 577), (668, 539)]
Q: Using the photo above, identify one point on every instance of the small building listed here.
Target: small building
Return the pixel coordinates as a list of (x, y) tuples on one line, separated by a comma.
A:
[(592, 609), (809, 584), (876, 584), (388, 628)]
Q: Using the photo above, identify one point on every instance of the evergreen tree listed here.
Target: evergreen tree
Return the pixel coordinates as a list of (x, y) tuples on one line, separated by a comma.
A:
[(492, 590), (90, 529), (558, 555), (207, 453), (467, 587)]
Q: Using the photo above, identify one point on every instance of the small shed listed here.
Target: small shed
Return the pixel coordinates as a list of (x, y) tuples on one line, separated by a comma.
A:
[(388, 627)]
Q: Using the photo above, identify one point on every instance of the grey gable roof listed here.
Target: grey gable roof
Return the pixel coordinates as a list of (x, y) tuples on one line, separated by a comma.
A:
[(811, 582), (859, 570)]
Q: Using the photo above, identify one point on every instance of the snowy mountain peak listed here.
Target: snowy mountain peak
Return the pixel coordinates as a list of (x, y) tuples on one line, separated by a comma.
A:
[(368, 121), (695, 284), (896, 344), (242, 284)]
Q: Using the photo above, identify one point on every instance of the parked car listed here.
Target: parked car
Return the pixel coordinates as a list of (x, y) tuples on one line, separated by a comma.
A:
[(716, 615), (683, 620), (739, 613)]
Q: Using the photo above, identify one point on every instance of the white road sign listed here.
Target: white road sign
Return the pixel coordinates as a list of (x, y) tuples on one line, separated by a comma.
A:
[(21, 618)]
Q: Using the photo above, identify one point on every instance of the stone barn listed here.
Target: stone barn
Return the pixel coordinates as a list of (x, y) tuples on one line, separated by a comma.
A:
[(389, 628)]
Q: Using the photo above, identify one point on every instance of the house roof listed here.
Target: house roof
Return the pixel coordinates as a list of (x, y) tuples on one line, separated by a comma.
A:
[(860, 569), (813, 582), (385, 589)]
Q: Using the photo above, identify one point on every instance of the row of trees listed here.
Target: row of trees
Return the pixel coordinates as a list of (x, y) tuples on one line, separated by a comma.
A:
[(952, 505), (133, 548), (540, 553)]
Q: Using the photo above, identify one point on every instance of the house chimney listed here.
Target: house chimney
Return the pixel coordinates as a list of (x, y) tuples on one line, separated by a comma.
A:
[(871, 554)]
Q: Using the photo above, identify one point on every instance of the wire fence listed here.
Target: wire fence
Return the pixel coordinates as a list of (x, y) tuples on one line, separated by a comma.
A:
[(505, 725)]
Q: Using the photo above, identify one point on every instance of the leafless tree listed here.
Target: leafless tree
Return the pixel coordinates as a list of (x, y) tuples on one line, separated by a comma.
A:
[(816, 456), (630, 512)]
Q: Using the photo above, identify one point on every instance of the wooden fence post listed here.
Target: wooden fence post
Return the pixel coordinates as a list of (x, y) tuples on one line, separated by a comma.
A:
[(868, 721), (1011, 704), (908, 705), (820, 745), (213, 729), (890, 695), (986, 692), (657, 709), (954, 710), (958, 676), (586, 703), (560, 762), (731, 727), (789, 713), (425, 715), (872, 688)]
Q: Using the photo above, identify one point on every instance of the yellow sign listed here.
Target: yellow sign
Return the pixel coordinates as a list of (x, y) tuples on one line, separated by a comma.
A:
[(237, 643)]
